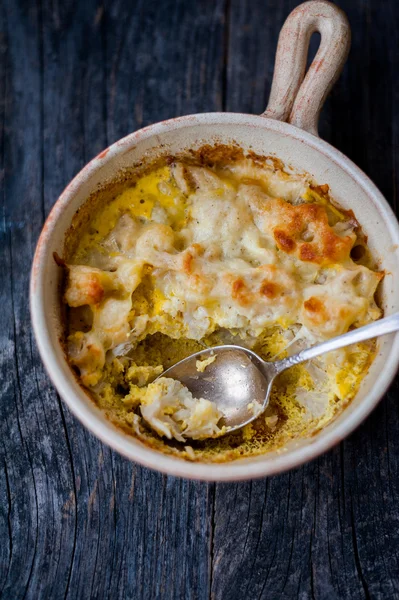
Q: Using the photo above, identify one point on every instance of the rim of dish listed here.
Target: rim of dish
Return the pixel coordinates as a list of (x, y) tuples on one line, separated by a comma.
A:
[(130, 447)]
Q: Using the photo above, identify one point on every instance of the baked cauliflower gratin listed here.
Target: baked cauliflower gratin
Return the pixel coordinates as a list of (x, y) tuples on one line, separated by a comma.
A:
[(209, 248)]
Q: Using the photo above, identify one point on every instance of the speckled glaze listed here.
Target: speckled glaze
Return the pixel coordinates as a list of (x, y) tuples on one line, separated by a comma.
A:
[(288, 128)]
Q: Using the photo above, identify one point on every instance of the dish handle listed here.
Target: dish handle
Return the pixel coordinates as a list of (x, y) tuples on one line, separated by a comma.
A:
[(296, 97)]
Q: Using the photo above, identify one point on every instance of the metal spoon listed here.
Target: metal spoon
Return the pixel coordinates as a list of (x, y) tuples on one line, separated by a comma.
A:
[(239, 376)]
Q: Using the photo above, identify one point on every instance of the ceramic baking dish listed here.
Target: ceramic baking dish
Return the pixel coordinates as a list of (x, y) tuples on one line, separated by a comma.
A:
[(287, 129)]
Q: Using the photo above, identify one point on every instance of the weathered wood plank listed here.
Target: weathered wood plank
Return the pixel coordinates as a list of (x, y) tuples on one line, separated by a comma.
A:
[(31, 433), (79, 521), (329, 529)]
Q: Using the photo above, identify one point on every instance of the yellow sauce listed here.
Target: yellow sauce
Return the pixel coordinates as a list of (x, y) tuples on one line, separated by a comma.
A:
[(158, 189)]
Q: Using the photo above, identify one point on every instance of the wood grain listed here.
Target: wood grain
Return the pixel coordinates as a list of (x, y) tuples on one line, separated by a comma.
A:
[(76, 519), (79, 521), (329, 529)]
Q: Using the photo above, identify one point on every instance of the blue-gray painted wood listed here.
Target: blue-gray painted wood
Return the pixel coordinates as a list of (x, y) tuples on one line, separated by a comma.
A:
[(76, 519)]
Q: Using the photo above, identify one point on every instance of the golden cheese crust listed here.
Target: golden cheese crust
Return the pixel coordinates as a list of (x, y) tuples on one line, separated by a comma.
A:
[(226, 242), (304, 222), (241, 247)]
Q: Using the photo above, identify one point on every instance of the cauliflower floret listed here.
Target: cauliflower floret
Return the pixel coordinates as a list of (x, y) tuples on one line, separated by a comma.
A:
[(170, 409), (86, 352), (88, 285), (201, 365)]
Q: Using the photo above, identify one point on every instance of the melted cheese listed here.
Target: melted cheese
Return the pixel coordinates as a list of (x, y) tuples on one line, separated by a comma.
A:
[(188, 251)]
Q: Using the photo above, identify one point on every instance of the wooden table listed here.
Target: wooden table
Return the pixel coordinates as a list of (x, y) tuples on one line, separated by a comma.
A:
[(76, 519)]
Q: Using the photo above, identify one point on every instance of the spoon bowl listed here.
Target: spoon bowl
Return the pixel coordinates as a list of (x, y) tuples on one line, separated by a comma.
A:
[(235, 381), (239, 381)]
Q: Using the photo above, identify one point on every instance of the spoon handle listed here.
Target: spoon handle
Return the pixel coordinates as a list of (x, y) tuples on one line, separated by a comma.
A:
[(380, 327)]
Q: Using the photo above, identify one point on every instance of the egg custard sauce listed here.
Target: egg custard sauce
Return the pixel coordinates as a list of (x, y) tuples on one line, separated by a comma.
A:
[(210, 248)]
